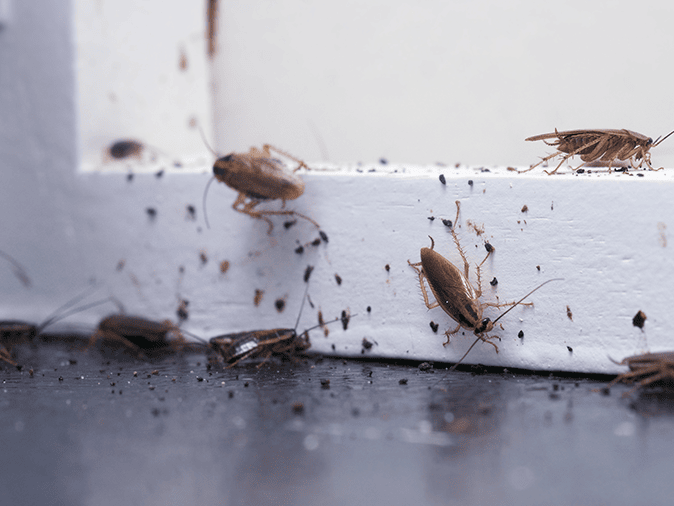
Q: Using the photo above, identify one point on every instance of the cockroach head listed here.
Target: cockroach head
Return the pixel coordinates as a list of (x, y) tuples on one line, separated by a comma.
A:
[(302, 342), (485, 326), (222, 165)]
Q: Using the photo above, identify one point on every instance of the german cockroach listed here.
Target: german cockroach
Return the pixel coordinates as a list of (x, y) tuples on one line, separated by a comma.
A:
[(15, 332), (255, 343), (605, 147), (259, 177), (140, 335), (455, 294), (282, 342), (125, 149), (646, 369)]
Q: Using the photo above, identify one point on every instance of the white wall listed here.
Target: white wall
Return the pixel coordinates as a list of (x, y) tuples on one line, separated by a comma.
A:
[(429, 81)]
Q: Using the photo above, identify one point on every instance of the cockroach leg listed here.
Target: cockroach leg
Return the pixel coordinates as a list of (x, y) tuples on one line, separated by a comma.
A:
[(645, 369)]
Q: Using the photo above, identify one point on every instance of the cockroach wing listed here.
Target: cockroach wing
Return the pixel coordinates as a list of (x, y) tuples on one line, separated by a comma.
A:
[(452, 290)]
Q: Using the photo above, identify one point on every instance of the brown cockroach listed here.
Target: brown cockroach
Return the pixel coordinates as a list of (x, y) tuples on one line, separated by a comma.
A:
[(15, 332), (238, 346), (127, 148), (259, 177), (599, 146), (142, 336), (281, 342), (455, 294), (645, 369)]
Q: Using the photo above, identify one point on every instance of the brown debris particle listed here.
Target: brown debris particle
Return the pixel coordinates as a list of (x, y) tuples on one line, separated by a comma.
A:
[(258, 297), (280, 305), (639, 320), (478, 229)]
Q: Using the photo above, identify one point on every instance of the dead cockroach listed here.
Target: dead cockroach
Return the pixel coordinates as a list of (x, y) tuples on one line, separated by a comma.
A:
[(646, 369), (455, 294), (600, 146), (281, 342), (142, 336), (15, 332), (259, 177)]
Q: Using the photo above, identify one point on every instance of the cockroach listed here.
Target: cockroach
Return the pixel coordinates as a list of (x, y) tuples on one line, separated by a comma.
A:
[(142, 336), (282, 342), (15, 332), (455, 294), (254, 343), (125, 149), (259, 177), (645, 369), (599, 146)]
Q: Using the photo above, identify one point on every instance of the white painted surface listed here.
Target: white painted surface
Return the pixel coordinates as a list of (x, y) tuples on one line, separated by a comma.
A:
[(68, 227), (142, 73), (429, 81)]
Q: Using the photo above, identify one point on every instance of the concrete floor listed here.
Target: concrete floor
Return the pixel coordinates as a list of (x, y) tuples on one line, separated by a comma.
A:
[(93, 428)]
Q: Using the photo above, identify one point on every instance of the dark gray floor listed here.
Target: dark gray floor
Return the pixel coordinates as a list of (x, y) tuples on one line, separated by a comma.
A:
[(93, 429)]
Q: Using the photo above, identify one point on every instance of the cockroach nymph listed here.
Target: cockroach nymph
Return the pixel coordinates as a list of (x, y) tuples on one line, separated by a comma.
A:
[(258, 177), (455, 294), (646, 369), (605, 147)]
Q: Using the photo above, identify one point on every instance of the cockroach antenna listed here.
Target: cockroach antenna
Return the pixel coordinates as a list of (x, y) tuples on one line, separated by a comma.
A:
[(501, 316), (18, 269), (208, 185)]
